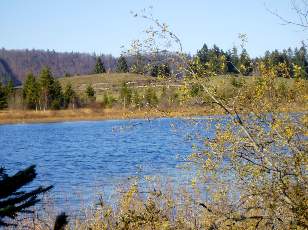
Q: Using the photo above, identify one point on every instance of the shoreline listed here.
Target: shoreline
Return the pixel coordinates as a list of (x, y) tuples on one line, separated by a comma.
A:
[(86, 114), (52, 116)]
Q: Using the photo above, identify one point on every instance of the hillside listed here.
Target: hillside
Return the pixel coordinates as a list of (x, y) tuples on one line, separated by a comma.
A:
[(6, 73), (16, 64), (111, 83)]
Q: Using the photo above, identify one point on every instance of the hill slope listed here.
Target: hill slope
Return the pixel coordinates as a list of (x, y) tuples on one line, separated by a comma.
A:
[(16, 64)]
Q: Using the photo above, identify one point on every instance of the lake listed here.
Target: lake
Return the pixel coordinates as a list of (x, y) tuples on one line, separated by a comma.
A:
[(83, 158)]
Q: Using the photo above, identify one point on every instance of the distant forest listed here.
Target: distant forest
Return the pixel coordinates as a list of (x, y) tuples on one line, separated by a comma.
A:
[(15, 65)]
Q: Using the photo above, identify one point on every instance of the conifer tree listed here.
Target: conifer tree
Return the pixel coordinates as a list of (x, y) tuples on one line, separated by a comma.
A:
[(122, 66), (46, 82), (203, 54), (13, 201), (56, 95), (31, 92), (90, 93), (99, 66)]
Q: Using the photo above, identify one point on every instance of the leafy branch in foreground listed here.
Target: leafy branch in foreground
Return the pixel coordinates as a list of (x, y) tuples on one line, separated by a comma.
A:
[(254, 170)]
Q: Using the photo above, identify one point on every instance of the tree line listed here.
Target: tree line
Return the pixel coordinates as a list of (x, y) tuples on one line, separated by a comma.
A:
[(45, 92), (15, 64), (286, 63)]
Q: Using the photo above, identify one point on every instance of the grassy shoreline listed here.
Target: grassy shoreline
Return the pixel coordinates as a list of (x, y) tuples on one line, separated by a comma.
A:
[(50, 116), (86, 114)]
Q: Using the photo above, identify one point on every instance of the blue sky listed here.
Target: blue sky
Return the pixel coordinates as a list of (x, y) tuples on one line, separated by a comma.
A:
[(103, 26)]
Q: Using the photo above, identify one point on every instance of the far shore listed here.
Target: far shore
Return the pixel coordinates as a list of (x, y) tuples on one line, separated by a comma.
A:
[(50, 116), (11, 116)]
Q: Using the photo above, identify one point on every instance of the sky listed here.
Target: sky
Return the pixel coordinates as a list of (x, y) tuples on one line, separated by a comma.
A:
[(104, 26)]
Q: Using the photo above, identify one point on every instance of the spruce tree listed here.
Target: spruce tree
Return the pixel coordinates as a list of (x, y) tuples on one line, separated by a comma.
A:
[(13, 201), (31, 92), (203, 54), (56, 95), (122, 66), (46, 82), (99, 66), (90, 93)]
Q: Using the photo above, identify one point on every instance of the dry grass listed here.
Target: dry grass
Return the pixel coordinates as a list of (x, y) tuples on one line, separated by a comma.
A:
[(105, 81), (30, 116)]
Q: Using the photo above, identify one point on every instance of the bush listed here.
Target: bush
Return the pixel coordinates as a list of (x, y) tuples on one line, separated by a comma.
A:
[(125, 95), (196, 89), (108, 100), (237, 82), (151, 97)]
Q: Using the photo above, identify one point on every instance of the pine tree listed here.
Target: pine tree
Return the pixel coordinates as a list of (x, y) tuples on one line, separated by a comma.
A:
[(56, 95), (90, 92), (203, 54), (122, 66), (46, 82), (99, 66), (12, 200), (31, 92)]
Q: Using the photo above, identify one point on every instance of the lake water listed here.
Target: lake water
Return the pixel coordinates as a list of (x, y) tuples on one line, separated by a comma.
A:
[(83, 158)]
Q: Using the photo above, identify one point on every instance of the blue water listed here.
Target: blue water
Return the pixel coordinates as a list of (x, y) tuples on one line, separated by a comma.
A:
[(83, 158)]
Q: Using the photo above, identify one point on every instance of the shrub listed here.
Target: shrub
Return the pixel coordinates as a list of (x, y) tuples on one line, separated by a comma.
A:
[(151, 97)]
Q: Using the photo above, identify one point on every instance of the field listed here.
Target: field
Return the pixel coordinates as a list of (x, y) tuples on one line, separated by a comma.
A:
[(111, 83)]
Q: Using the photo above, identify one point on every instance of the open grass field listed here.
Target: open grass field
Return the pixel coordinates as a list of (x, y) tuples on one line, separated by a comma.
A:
[(112, 82)]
